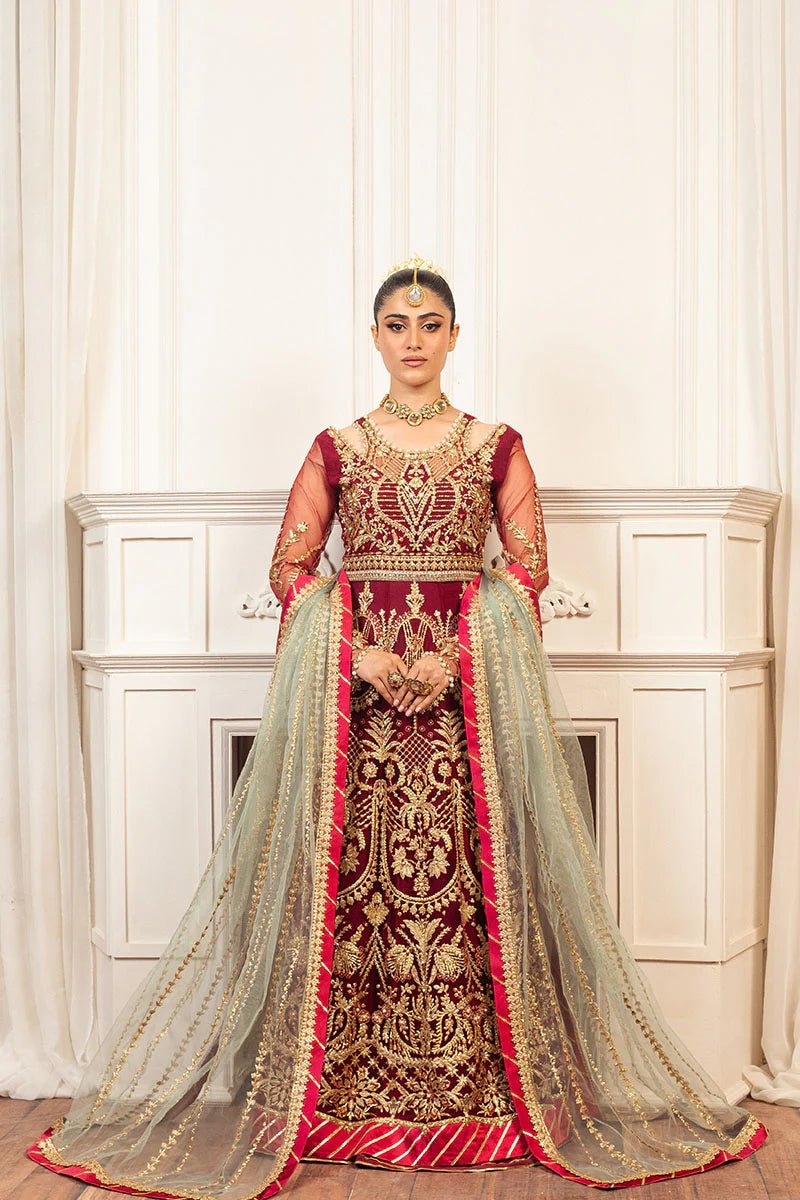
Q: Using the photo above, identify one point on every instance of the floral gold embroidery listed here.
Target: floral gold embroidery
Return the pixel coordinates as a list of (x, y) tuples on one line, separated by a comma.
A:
[(412, 1034), (300, 562)]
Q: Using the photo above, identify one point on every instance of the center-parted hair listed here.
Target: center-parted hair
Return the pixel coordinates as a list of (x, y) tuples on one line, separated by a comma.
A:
[(429, 280)]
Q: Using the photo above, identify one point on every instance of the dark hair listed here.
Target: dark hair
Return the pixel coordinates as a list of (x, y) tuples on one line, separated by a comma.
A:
[(426, 279)]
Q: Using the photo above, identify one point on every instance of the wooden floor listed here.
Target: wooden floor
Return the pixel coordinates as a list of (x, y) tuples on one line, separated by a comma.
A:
[(773, 1171)]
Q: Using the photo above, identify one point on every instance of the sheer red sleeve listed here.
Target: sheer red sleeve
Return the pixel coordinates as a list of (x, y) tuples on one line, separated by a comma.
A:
[(306, 523), (518, 512)]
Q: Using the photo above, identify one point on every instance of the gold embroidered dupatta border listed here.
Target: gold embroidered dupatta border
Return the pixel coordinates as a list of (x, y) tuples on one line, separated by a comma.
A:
[(499, 633), (286, 1138)]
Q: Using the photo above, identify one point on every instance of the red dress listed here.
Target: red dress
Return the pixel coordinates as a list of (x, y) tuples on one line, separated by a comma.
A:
[(413, 1073), (401, 951)]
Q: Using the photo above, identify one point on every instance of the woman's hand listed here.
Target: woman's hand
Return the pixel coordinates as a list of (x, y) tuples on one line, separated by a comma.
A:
[(374, 668), (427, 666)]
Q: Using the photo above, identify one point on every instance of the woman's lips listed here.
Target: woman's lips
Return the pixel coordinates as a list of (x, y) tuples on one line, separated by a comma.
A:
[(413, 362)]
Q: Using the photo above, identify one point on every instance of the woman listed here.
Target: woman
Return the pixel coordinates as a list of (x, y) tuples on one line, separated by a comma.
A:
[(401, 951)]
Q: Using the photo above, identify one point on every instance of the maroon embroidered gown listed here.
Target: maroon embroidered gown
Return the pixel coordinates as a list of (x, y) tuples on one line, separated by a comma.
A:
[(413, 1073), (401, 951)]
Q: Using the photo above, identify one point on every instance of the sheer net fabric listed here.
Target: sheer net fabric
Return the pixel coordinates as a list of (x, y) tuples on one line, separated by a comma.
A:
[(306, 523), (580, 1026), (519, 520), (199, 1088)]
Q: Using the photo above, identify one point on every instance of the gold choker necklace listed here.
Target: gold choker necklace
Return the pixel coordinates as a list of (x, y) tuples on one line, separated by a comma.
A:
[(415, 416)]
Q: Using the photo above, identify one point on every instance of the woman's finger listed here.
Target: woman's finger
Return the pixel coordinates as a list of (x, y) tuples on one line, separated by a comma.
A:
[(405, 693), (381, 685), (416, 700), (429, 700), (398, 664), (421, 703)]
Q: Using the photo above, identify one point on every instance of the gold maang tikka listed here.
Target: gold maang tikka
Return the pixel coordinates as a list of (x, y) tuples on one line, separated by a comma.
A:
[(415, 293)]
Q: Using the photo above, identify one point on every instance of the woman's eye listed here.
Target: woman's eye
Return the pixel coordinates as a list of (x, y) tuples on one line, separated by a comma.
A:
[(427, 325)]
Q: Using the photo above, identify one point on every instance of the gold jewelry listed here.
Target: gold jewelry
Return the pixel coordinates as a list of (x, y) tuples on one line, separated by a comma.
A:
[(420, 687), (395, 678), (450, 677), (415, 416), (415, 294), (357, 660)]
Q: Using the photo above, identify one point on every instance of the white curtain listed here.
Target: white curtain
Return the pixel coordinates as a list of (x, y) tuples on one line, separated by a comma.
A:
[(769, 54), (51, 76)]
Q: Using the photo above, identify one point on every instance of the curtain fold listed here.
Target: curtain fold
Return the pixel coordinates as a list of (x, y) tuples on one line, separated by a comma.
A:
[(769, 253), (51, 121)]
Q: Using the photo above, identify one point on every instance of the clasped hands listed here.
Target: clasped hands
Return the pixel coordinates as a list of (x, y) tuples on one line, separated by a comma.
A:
[(376, 666)]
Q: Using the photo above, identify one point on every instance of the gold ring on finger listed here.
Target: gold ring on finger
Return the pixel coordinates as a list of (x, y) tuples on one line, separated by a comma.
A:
[(395, 678)]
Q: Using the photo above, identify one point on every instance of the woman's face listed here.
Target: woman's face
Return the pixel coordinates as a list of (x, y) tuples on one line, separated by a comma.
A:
[(404, 334)]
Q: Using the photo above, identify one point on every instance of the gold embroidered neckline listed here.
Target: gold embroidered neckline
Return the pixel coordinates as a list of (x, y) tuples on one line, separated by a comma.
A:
[(419, 452)]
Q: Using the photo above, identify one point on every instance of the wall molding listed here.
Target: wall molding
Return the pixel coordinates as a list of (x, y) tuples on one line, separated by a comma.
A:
[(706, 259), (150, 268), (686, 240), (558, 504), (613, 661), (363, 199)]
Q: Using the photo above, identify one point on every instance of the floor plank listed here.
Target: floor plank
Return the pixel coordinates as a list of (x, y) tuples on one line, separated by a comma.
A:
[(778, 1160), (397, 1185), (444, 1185)]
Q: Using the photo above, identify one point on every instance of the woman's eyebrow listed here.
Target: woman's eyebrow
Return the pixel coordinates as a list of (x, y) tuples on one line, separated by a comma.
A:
[(404, 316)]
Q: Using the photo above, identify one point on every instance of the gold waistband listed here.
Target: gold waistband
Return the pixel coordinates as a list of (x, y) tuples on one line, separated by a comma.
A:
[(412, 566)]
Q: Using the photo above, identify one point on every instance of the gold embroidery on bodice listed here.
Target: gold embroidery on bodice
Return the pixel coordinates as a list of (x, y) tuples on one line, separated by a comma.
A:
[(415, 514)]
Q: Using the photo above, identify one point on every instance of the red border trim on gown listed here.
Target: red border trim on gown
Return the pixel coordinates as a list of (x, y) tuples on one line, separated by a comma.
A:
[(555, 1122)]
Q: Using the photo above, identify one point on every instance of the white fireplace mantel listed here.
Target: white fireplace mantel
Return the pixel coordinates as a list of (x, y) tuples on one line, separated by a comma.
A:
[(668, 669)]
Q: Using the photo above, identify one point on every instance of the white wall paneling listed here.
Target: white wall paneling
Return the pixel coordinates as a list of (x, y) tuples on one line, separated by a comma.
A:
[(715, 1008), (232, 174), (670, 569), (151, 168), (158, 745), (706, 366), (148, 588), (748, 811), (671, 815), (425, 135), (745, 585), (692, 803), (590, 245)]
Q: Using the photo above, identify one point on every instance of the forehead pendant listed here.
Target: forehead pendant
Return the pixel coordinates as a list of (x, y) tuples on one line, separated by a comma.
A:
[(414, 294)]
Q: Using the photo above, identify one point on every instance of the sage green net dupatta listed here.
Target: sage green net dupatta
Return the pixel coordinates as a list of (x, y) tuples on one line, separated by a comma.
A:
[(605, 1092), (206, 1083)]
